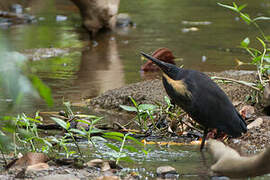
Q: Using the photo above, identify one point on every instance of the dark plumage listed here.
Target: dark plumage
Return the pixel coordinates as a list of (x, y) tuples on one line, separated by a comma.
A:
[(201, 98)]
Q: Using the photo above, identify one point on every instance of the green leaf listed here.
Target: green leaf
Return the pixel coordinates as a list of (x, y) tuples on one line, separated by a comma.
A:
[(133, 101), (77, 131), (149, 107), (114, 137), (113, 147), (167, 100), (114, 134), (246, 18), (60, 122), (245, 42), (228, 7), (134, 140), (128, 108), (242, 7), (130, 148), (262, 42), (99, 138), (43, 89), (126, 159), (261, 18)]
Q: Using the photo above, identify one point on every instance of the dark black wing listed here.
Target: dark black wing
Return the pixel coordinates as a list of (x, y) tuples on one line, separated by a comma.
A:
[(210, 106)]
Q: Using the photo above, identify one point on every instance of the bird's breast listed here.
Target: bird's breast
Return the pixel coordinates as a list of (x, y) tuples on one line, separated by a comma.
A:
[(176, 86)]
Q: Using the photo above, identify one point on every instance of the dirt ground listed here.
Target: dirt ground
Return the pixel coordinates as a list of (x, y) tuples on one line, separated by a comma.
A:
[(152, 91)]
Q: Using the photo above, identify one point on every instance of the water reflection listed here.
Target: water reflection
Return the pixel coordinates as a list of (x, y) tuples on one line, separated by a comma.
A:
[(100, 69)]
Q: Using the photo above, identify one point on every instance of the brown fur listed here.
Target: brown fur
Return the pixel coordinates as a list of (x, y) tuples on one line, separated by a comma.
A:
[(230, 163)]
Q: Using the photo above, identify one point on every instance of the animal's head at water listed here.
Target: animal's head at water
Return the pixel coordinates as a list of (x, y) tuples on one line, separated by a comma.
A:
[(167, 68), (162, 54)]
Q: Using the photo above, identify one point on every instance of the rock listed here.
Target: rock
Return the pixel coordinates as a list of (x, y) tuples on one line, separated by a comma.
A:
[(247, 111), (256, 123), (99, 163), (58, 177), (266, 95), (123, 20), (38, 167), (16, 8), (167, 172), (108, 178)]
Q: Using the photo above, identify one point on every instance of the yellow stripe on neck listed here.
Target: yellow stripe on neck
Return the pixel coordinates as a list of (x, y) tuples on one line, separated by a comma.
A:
[(178, 85)]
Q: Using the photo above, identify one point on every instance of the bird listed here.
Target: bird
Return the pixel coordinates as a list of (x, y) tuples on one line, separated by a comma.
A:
[(163, 54), (201, 98)]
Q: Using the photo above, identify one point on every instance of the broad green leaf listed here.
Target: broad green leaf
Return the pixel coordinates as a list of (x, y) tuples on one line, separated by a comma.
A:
[(129, 108), (130, 148), (245, 42), (99, 138), (114, 137), (261, 18), (113, 147), (126, 159), (149, 107), (43, 89), (60, 122), (135, 140), (114, 134), (228, 7), (77, 131)]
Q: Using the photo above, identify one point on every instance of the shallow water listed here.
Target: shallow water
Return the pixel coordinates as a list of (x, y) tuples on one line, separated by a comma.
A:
[(112, 60)]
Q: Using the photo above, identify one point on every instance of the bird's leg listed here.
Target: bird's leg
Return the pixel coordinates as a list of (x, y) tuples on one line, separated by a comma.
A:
[(204, 137)]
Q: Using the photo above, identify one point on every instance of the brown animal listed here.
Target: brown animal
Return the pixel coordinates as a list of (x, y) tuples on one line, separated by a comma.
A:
[(229, 163), (98, 14), (163, 54)]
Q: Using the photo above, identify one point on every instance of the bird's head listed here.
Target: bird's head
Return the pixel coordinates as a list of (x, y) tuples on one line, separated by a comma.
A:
[(169, 69)]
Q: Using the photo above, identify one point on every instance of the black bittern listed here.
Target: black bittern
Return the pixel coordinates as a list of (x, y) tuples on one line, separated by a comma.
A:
[(201, 98)]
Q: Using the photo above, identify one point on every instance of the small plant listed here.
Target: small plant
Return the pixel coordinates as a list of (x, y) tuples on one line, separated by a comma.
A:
[(144, 112), (118, 154), (259, 58)]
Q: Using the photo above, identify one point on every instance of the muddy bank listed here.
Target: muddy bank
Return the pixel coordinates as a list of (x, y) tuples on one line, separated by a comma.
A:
[(152, 91)]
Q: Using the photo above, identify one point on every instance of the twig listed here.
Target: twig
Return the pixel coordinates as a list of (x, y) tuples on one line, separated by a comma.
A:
[(236, 81)]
